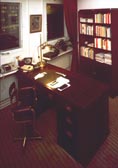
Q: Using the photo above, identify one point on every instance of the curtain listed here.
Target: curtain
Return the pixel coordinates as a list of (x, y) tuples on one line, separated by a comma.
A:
[(70, 12)]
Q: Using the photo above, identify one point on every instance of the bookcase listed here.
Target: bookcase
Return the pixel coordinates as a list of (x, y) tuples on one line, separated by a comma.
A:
[(98, 45)]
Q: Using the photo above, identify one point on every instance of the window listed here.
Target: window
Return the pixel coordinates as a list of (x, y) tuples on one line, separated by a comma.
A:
[(55, 21), (9, 25)]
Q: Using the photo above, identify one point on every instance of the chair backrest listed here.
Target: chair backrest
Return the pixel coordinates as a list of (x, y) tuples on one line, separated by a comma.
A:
[(13, 93), (27, 96)]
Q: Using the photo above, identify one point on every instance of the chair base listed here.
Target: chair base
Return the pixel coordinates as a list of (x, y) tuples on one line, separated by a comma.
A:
[(28, 137)]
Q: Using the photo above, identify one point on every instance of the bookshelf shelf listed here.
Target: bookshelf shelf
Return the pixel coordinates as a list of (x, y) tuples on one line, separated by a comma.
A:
[(98, 49)]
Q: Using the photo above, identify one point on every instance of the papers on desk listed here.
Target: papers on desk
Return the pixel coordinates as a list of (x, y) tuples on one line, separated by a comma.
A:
[(40, 75), (60, 81)]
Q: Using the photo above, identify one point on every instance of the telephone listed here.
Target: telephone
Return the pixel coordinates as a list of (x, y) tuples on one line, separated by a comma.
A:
[(27, 68)]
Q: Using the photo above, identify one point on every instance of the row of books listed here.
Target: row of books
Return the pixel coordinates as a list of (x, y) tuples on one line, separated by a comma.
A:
[(100, 57), (103, 31), (102, 43), (103, 18), (86, 20), (86, 29), (99, 30), (99, 18), (104, 58), (87, 52)]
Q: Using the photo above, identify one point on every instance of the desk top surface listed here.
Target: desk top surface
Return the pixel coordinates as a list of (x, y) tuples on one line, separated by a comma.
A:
[(82, 92)]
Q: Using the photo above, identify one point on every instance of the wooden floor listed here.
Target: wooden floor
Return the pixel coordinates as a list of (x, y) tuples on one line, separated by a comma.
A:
[(46, 153)]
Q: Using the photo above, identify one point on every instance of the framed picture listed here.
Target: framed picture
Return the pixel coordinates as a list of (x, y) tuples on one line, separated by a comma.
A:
[(35, 23)]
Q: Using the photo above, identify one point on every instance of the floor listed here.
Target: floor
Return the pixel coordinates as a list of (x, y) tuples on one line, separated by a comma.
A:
[(40, 153)]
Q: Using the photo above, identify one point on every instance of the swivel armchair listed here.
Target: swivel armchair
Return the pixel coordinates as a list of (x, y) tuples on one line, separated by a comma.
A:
[(23, 102)]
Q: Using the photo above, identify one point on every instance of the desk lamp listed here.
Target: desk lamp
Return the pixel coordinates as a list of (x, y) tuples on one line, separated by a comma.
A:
[(42, 62)]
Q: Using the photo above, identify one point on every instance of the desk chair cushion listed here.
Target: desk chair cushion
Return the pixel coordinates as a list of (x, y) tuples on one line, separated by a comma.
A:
[(24, 114)]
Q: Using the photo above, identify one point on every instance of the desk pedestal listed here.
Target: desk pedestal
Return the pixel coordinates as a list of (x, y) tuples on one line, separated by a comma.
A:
[(82, 131)]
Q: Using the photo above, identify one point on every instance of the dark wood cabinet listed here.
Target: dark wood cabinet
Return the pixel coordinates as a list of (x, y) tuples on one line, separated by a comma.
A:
[(98, 50)]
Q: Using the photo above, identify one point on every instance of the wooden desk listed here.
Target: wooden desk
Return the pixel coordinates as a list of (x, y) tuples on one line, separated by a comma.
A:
[(82, 118)]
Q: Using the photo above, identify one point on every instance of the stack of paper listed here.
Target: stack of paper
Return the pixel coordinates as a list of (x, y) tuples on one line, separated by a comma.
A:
[(58, 82)]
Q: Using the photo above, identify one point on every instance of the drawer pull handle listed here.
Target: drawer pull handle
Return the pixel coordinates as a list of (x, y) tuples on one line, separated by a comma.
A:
[(68, 120), (68, 108), (69, 134)]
